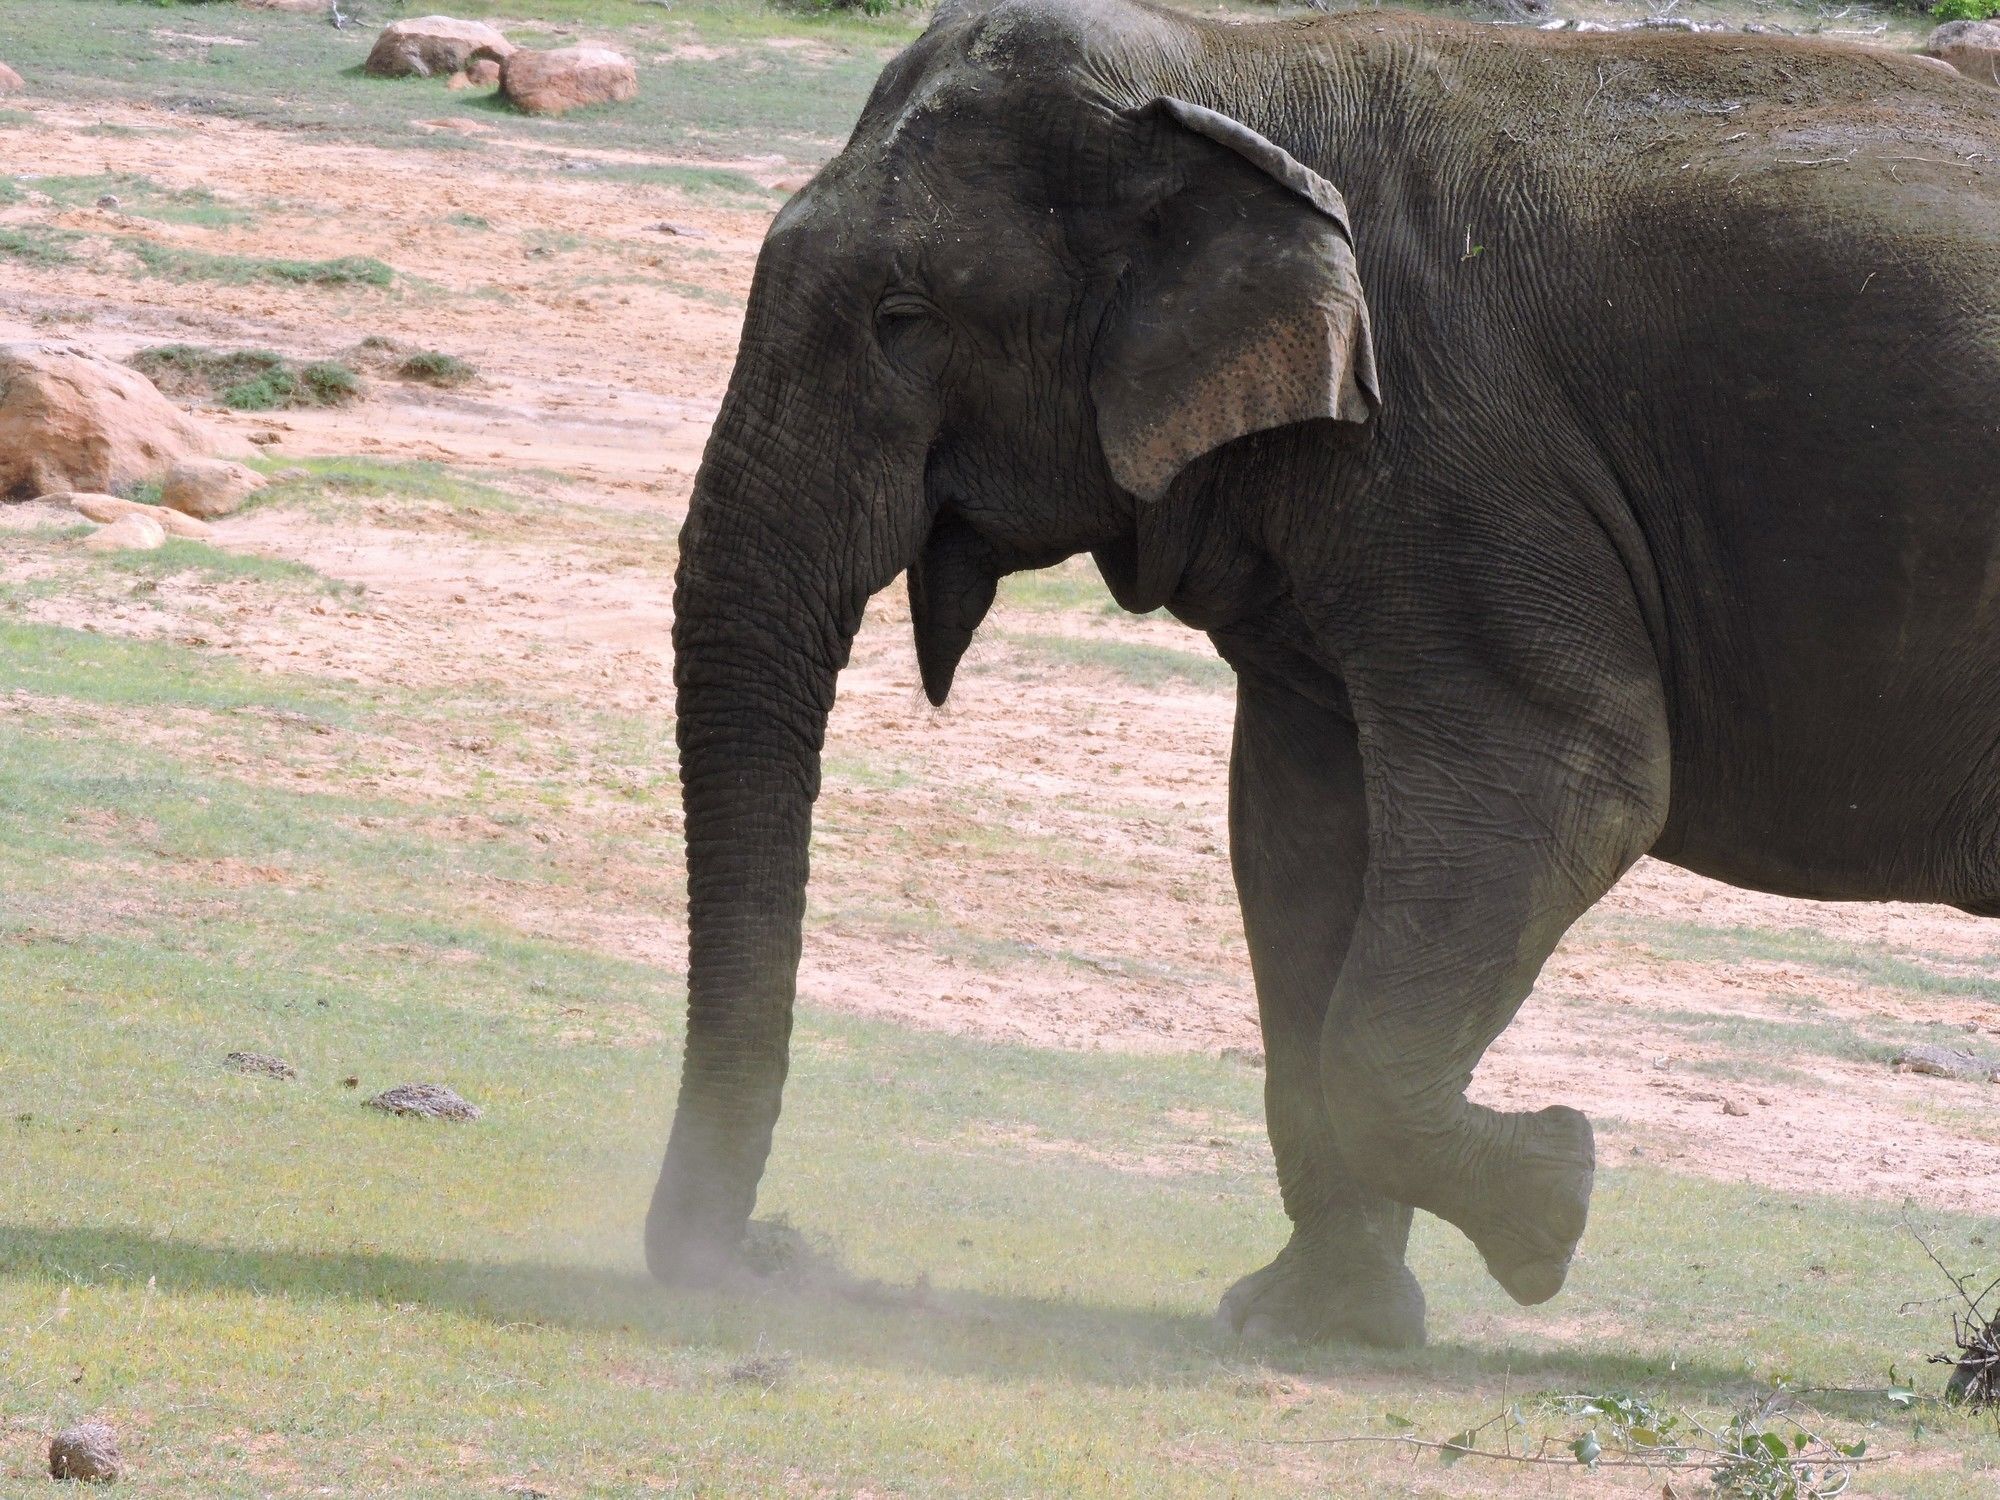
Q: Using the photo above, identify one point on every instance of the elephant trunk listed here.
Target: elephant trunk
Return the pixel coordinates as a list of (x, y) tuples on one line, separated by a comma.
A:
[(759, 641), (767, 600)]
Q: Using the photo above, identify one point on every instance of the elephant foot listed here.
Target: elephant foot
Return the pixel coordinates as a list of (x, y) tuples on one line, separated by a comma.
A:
[(1317, 1291), (1532, 1203)]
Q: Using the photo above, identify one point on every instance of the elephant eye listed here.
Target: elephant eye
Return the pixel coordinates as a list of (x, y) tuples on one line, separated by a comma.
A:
[(913, 335)]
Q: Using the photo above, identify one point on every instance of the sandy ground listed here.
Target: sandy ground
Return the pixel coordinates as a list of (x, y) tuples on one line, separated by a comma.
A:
[(1042, 861)]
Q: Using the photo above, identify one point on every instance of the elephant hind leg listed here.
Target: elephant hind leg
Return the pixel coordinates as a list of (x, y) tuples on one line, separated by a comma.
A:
[(1298, 842)]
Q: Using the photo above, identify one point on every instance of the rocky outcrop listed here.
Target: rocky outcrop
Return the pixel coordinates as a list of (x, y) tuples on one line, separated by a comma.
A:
[(553, 83), (433, 47), (10, 81), (1972, 47), (70, 420), (209, 487)]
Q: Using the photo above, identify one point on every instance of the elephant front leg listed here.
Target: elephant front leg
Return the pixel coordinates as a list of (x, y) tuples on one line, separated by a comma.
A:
[(1496, 819), (1298, 842)]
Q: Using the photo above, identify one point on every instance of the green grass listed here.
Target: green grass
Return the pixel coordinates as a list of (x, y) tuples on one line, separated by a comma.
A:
[(271, 1290), (1070, 586), (1141, 665), (1871, 962), (300, 73), (247, 379), (178, 263), (182, 555), (37, 244), (139, 196)]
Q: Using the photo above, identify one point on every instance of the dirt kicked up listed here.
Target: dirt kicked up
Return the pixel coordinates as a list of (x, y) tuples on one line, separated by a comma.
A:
[(463, 598)]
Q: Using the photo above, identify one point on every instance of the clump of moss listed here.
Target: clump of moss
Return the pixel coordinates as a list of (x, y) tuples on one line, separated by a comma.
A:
[(247, 379)]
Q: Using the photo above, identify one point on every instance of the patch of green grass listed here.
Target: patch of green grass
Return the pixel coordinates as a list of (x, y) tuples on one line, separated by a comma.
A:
[(140, 197), (696, 181), (1141, 665), (1070, 586), (379, 478), (184, 555), (38, 244), (16, 117), (1874, 963), (467, 221), (179, 263), (247, 379)]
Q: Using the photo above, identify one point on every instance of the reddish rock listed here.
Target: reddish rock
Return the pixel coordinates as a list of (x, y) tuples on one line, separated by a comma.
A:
[(72, 420), (553, 83), (10, 81)]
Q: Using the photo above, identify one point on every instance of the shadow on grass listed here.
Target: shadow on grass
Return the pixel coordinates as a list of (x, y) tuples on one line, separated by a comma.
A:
[(954, 1333)]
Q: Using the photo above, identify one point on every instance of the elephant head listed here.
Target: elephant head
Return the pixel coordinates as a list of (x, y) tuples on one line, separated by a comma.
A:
[(1041, 280)]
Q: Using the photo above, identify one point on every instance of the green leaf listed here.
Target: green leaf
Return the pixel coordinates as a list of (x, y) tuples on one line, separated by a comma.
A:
[(1774, 1445), (1644, 1437), (1851, 1450), (1397, 1421), (1901, 1395), (1587, 1449), (1457, 1447)]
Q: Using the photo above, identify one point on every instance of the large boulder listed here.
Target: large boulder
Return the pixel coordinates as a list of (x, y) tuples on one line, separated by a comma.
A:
[(553, 83), (209, 487), (433, 46), (70, 420), (1972, 47)]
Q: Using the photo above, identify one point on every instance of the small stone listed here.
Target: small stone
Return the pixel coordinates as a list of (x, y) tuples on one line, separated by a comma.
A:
[(105, 509), (266, 438), (108, 200), (127, 534), (87, 1451), (424, 1101), (482, 73), (681, 231), (1735, 1107), (292, 475), (209, 487), (261, 1064)]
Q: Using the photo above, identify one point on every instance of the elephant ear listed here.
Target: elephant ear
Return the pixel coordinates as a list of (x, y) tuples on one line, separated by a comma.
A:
[(1240, 309), (952, 584)]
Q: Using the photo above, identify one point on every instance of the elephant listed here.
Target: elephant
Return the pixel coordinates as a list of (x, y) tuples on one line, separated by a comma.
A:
[(1580, 446)]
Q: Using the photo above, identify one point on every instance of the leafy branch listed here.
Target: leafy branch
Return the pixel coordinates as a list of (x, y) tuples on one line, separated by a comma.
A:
[(1760, 1454)]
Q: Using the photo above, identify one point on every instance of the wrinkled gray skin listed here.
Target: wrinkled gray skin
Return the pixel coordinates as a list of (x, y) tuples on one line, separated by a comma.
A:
[(1617, 470)]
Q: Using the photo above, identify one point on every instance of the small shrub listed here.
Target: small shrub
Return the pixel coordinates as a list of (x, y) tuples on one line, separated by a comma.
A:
[(1966, 10), (436, 369)]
